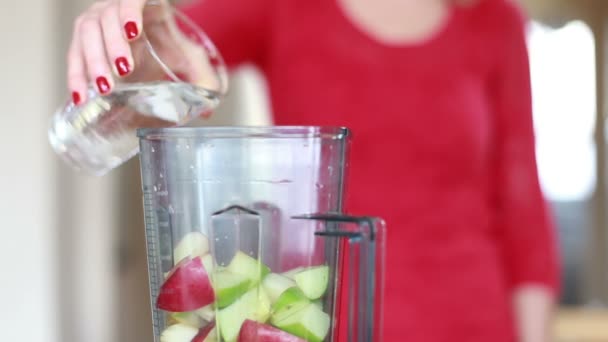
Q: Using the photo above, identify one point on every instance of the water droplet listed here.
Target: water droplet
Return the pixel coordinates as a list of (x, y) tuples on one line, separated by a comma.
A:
[(171, 210), (191, 167), (155, 188), (152, 149), (187, 146), (331, 170), (160, 175), (319, 186), (217, 239)]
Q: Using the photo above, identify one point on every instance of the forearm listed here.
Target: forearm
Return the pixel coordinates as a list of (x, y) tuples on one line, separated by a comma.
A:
[(533, 307)]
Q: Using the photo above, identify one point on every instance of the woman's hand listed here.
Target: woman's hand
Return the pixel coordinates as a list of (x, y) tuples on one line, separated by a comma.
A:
[(533, 305), (100, 46)]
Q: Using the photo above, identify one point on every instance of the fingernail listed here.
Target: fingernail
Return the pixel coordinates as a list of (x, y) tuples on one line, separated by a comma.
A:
[(122, 65), (75, 97), (131, 29), (102, 84)]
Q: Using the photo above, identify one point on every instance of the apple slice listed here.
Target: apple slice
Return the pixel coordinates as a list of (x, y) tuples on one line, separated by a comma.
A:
[(275, 284), (293, 297), (207, 313), (253, 331), (253, 305), (309, 323), (187, 288), (206, 334), (207, 260), (187, 318), (250, 267), (191, 245), (178, 333), (313, 281), (292, 272), (229, 287)]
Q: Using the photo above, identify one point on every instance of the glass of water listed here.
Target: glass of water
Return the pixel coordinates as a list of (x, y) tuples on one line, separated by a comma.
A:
[(178, 75)]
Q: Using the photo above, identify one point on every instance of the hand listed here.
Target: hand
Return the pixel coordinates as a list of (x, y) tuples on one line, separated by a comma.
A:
[(100, 46), (533, 305)]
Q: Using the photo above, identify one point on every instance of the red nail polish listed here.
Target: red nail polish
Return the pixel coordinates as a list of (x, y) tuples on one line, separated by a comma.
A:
[(75, 97), (102, 84), (122, 65), (131, 29)]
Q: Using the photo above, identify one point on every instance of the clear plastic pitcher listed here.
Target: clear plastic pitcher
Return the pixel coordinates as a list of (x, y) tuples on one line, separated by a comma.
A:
[(247, 240)]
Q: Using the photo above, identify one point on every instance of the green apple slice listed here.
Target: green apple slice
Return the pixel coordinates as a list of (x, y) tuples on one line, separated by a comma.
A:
[(207, 313), (187, 318), (248, 266), (178, 333), (313, 281), (191, 245), (293, 297), (291, 273), (309, 323), (275, 284), (229, 287), (207, 260), (253, 305)]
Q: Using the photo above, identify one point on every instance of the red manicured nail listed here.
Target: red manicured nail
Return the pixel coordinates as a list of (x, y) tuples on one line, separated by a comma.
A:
[(75, 97), (131, 29), (102, 84), (122, 65)]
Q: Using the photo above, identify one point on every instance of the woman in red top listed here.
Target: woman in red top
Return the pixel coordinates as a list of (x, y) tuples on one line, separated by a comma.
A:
[(438, 96)]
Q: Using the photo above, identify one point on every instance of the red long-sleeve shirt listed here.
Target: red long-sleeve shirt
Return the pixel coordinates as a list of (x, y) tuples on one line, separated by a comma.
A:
[(443, 149)]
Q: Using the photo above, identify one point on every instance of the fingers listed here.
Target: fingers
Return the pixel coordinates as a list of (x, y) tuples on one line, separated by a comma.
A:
[(117, 47), (130, 12), (77, 81), (93, 50)]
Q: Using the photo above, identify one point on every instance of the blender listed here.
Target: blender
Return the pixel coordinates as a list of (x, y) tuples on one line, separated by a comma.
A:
[(247, 238)]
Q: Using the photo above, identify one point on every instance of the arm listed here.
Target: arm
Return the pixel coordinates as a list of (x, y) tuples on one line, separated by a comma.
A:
[(526, 232)]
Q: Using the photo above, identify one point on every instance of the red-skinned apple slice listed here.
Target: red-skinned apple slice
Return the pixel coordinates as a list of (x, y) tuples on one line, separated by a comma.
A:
[(204, 333), (259, 332), (187, 287)]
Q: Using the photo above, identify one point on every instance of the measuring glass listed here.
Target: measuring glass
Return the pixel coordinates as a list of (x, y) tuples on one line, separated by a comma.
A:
[(178, 75)]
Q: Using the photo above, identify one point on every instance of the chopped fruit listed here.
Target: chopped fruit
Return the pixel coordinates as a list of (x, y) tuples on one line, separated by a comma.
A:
[(292, 298), (207, 260), (206, 334), (275, 284), (207, 313), (253, 305), (187, 318), (178, 333), (191, 245), (252, 331), (291, 273), (313, 281), (229, 287), (309, 323), (187, 288), (248, 266)]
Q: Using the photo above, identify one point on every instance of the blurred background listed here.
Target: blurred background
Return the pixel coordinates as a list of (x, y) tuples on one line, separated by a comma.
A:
[(72, 250)]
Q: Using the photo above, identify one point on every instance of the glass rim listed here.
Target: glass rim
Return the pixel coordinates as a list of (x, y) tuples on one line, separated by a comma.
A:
[(239, 132), (219, 69)]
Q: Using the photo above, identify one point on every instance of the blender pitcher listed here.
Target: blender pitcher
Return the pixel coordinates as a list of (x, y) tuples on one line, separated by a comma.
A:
[(247, 240)]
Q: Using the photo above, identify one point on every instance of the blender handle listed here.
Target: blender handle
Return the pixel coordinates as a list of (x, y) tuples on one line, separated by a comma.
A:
[(365, 235)]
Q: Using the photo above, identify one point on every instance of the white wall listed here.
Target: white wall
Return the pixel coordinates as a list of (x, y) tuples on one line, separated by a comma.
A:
[(27, 254)]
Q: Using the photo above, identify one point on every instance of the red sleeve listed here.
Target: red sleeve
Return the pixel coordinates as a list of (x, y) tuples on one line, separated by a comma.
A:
[(526, 230), (240, 29)]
